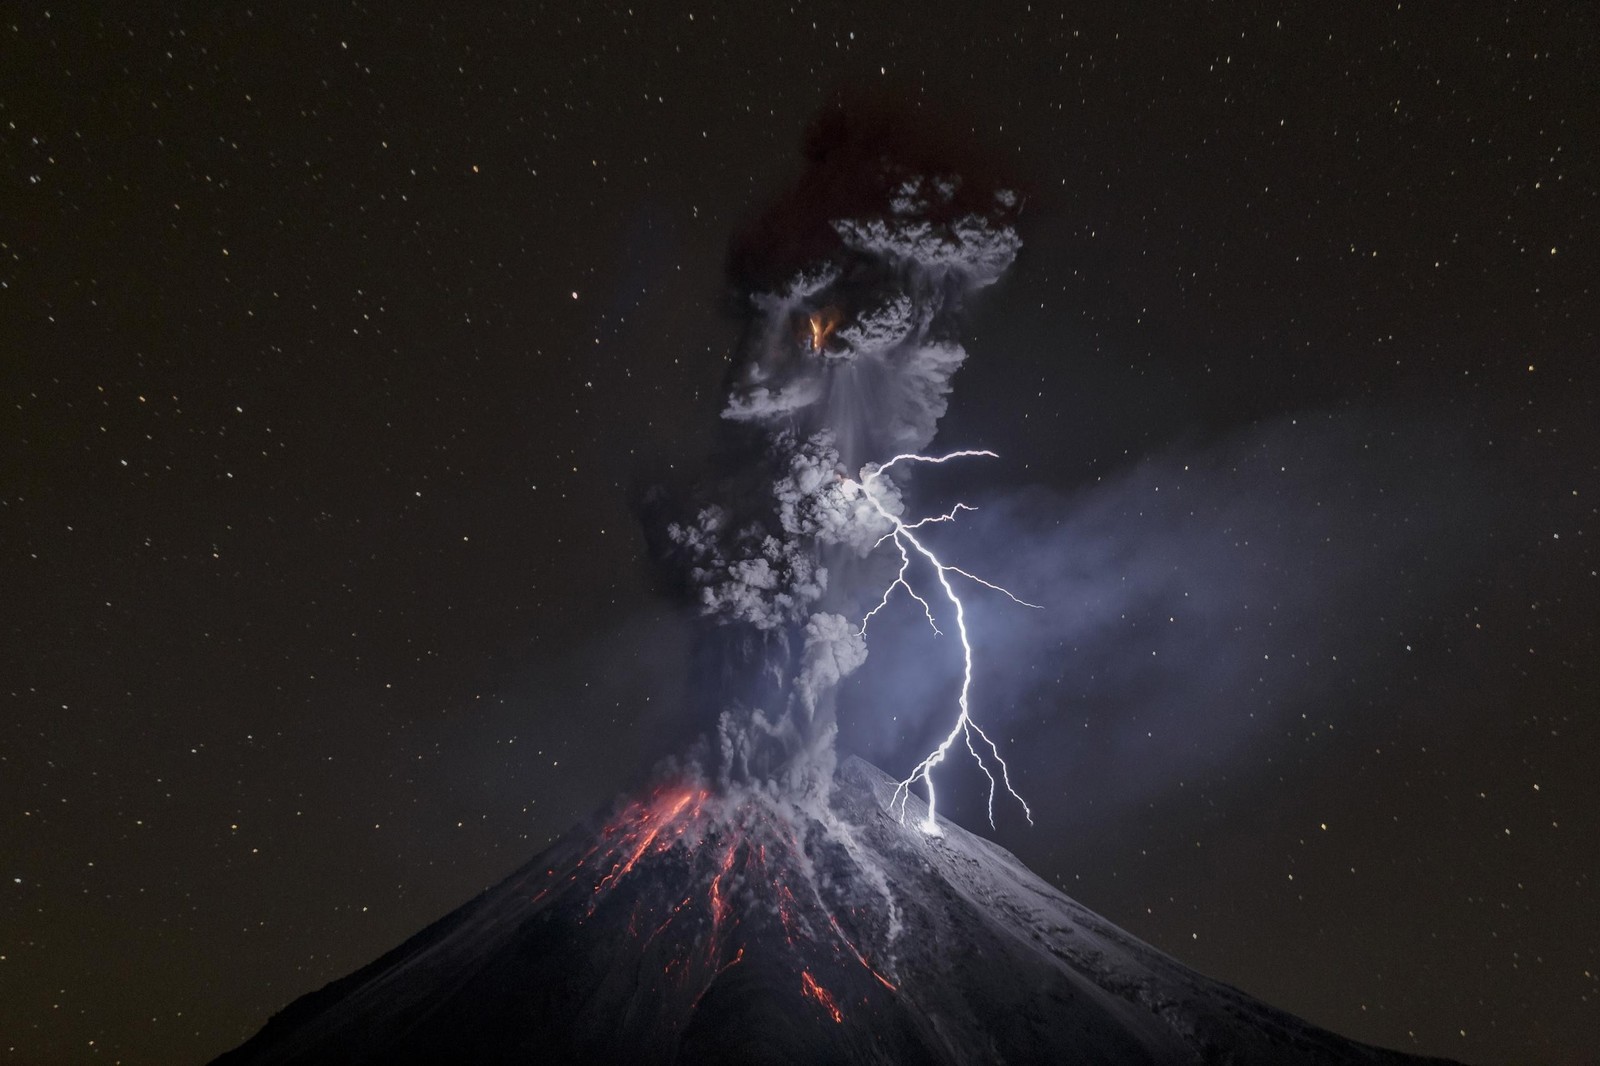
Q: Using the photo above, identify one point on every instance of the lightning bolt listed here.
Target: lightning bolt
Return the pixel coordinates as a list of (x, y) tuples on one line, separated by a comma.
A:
[(906, 542)]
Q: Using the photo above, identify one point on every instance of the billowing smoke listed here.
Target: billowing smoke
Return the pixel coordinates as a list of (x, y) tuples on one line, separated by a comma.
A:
[(851, 287)]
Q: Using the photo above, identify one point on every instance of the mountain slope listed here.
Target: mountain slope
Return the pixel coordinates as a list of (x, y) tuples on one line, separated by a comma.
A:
[(704, 928)]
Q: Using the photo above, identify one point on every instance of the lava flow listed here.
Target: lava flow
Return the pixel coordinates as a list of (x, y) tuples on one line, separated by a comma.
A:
[(809, 987), (746, 859)]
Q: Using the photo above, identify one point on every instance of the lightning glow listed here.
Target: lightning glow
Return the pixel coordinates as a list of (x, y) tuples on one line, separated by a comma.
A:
[(906, 542), (820, 326)]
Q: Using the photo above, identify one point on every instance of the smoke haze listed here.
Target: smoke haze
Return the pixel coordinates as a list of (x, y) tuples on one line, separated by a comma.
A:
[(1180, 628)]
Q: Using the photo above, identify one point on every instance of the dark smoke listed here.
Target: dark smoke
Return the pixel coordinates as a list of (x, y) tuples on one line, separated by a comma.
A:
[(851, 288)]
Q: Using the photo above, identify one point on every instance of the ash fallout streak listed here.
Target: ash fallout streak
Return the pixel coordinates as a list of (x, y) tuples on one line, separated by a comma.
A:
[(849, 348)]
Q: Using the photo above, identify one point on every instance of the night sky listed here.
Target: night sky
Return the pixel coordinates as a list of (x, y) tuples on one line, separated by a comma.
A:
[(336, 349)]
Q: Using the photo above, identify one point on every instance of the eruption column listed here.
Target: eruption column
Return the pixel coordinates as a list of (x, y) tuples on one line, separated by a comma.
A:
[(964, 728)]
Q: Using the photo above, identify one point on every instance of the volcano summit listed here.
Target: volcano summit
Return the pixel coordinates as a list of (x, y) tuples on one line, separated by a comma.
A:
[(738, 928)]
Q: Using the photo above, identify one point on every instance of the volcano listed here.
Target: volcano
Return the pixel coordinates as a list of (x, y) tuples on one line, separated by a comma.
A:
[(735, 925)]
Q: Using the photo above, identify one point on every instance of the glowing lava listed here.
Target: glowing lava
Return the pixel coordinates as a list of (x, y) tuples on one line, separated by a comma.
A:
[(809, 987), (741, 848), (648, 826), (907, 542)]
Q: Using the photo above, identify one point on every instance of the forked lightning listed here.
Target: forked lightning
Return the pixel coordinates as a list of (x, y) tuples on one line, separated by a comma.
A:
[(906, 542)]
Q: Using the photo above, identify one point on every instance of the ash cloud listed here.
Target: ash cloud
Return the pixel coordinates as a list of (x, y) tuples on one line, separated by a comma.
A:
[(1212, 604), (881, 241), (850, 288)]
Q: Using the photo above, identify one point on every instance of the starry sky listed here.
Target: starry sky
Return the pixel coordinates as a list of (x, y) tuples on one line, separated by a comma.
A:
[(335, 344)]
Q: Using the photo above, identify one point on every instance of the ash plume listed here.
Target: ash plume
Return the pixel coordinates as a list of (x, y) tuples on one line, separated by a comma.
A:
[(850, 287)]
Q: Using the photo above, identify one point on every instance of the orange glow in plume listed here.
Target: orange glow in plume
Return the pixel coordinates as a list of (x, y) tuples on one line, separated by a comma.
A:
[(822, 324)]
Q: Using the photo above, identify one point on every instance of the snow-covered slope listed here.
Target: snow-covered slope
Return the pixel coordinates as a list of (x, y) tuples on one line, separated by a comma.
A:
[(704, 928)]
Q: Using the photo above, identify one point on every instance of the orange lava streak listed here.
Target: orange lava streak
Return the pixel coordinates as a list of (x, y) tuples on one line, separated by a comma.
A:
[(786, 908), (622, 869), (719, 906), (809, 987), (862, 959)]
